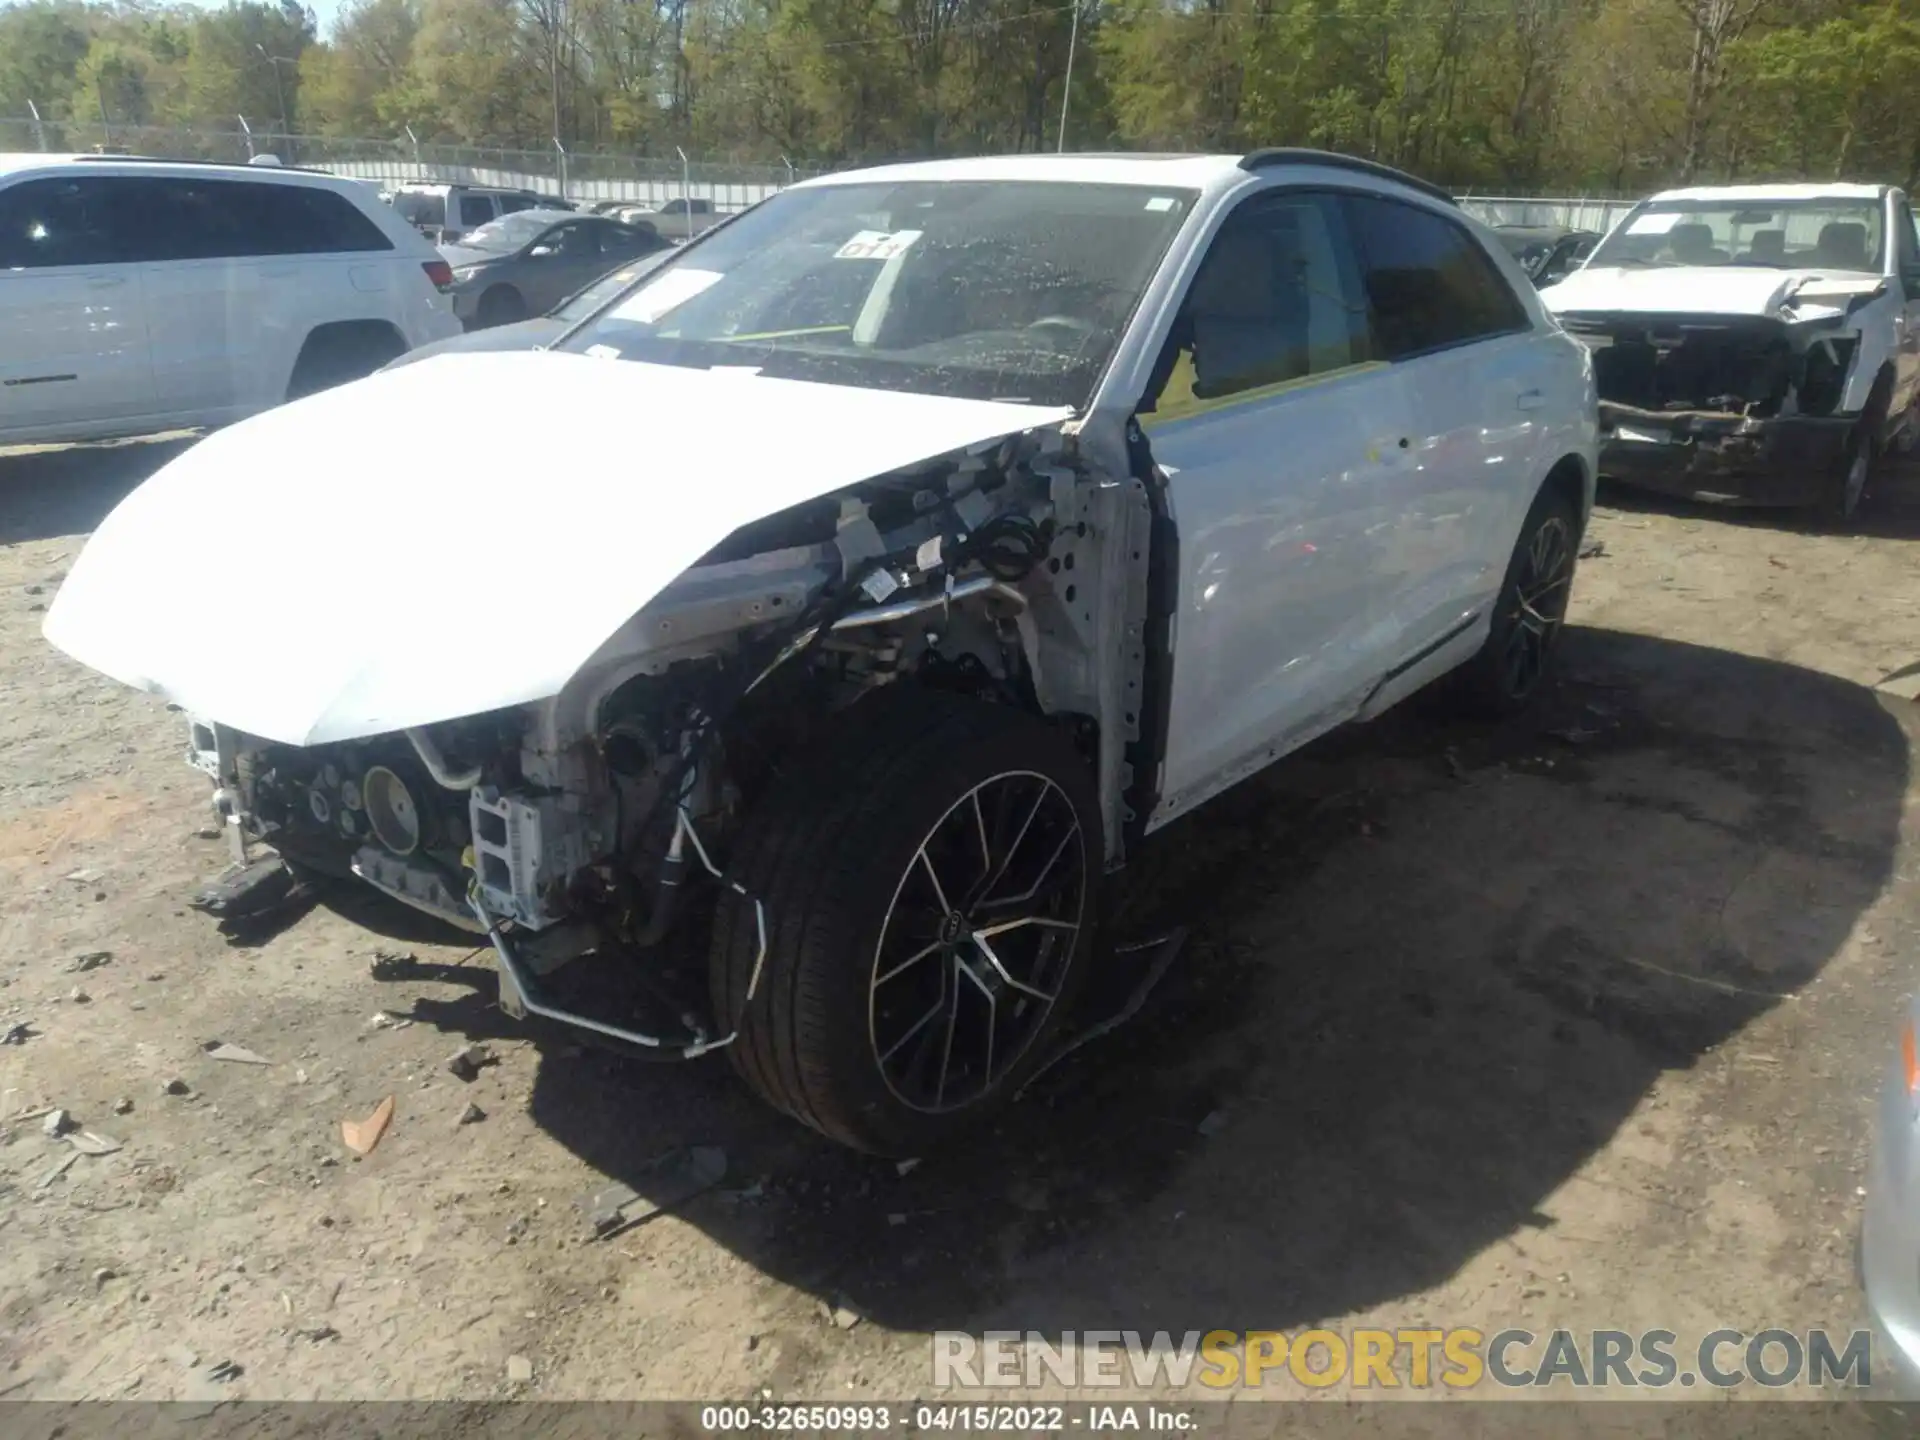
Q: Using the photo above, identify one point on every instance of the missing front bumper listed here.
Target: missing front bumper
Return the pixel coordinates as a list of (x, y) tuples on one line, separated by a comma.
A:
[(1728, 459)]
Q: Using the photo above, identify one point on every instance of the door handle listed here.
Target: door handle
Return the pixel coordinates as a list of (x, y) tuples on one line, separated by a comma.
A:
[(105, 282), (1530, 399)]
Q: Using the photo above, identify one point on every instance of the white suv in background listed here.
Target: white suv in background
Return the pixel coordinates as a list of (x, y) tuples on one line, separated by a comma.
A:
[(446, 213), (141, 295)]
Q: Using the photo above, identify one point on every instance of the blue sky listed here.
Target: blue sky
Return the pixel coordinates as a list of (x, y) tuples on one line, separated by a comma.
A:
[(324, 11)]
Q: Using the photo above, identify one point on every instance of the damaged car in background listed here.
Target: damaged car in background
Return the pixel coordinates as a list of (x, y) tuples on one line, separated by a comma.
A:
[(1755, 344), (986, 516)]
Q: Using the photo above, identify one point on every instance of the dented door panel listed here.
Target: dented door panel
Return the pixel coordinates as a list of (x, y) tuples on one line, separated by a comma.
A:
[(1283, 536)]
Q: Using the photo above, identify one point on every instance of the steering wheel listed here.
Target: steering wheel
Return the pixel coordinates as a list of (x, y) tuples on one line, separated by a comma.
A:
[(1080, 329)]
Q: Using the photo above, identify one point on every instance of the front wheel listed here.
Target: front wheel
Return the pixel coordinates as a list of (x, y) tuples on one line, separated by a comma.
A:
[(928, 879), (1509, 670), (501, 305), (1856, 474)]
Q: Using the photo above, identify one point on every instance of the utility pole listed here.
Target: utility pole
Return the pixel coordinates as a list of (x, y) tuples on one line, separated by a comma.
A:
[(1066, 87), (276, 61)]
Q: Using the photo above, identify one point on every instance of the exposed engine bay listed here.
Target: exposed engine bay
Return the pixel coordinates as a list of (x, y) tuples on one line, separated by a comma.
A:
[(1763, 407), (1753, 366), (583, 822)]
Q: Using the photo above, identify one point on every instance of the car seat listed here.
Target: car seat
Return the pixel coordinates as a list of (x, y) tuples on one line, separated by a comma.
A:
[(1842, 246), (1692, 244)]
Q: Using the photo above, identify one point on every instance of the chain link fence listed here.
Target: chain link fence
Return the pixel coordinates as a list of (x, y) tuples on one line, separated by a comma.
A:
[(582, 176)]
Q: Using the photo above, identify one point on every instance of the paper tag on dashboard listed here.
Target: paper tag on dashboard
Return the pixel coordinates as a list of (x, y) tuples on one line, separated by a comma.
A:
[(879, 585), (877, 245)]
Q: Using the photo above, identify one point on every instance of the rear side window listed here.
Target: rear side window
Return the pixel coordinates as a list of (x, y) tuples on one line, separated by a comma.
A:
[(475, 209), (1429, 285), (66, 221), (194, 219), (416, 207)]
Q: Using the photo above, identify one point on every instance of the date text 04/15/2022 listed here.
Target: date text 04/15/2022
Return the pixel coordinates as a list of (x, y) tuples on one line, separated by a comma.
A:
[(981, 1419)]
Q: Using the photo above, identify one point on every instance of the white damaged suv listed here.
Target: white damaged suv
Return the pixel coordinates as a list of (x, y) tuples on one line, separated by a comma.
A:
[(1754, 344), (856, 589)]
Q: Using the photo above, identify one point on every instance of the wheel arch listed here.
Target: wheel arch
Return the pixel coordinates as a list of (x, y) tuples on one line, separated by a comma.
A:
[(324, 346), (1574, 478)]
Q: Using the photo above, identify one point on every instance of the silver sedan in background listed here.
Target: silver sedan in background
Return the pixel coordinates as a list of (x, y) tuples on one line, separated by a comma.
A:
[(525, 264), (542, 329)]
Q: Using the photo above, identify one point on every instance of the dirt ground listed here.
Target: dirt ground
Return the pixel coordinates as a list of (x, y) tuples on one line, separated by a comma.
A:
[(1572, 1024)]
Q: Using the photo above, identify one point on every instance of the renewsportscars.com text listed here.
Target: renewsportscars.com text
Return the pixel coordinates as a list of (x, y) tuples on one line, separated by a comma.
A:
[(1461, 1358)]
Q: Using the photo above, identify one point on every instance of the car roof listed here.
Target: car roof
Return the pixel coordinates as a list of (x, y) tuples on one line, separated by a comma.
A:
[(27, 161), (1758, 193), (420, 187), (1187, 172), (1146, 169), (556, 216)]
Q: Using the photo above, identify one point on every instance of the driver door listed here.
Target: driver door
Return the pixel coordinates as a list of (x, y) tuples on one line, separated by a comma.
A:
[(1278, 433), (561, 262)]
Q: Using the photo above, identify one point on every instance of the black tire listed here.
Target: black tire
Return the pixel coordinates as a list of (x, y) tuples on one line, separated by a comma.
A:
[(502, 305), (1852, 481), (1510, 669), (839, 1033), (333, 357)]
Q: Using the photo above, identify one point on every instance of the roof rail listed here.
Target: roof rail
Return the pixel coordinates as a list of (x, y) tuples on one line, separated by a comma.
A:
[(223, 164), (1327, 159)]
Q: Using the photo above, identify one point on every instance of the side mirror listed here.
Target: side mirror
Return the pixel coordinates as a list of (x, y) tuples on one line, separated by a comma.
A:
[(540, 251)]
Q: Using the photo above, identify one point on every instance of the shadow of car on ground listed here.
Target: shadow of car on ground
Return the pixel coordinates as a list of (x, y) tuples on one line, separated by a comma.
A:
[(49, 492), (1432, 969)]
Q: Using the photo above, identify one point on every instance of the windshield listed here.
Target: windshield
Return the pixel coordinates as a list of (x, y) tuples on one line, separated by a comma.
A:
[(988, 290), (418, 207), (585, 302), (507, 234), (1818, 234)]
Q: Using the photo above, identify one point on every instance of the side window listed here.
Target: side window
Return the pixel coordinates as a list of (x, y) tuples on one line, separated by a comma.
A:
[(475, 210), (1906, 239), (66, 221), (323, 221), (1277, 298), (513, 204), (621, 240), (1429, 284), (573, 242), (300, 220), (191, 219)]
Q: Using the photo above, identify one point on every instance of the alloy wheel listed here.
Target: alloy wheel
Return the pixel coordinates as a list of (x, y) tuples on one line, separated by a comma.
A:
[(977, 941), (1537, 604)]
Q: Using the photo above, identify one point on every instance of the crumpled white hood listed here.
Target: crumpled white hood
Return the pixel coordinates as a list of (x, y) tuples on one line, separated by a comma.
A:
[(1701, 290), (458, 535)]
